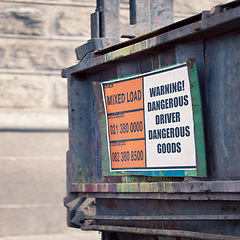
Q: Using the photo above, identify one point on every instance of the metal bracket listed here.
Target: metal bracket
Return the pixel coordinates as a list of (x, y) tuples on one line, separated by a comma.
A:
[(78, 209), (92, 45), (214, 11)]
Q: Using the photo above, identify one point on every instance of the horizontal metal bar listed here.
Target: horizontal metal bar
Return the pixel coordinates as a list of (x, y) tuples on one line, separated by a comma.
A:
[(191, 191), (162, 187), (161, 232), (166, 196), (167, 218)]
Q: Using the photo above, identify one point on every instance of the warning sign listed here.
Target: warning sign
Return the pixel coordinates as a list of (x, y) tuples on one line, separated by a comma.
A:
[(150, 121)]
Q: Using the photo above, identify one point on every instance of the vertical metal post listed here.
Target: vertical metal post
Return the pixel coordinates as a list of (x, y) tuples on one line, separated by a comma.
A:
[(133, 12), (161, 13), (145, 16)]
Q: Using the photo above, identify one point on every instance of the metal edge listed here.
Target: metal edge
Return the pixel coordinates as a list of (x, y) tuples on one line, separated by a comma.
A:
[(161, 232), (197, 118), (220, 21), (162, 187)]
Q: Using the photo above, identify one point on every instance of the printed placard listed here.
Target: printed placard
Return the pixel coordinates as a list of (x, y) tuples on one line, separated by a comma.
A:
[(150, 121)]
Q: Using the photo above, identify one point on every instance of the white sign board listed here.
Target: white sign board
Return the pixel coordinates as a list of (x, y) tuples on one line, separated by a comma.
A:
[(150, 121)]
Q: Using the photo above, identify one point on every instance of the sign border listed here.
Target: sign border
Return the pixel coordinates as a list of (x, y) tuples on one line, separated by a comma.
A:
[(198, 127)]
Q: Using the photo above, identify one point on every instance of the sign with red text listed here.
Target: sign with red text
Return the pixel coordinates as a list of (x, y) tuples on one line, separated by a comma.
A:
[(150, 121)]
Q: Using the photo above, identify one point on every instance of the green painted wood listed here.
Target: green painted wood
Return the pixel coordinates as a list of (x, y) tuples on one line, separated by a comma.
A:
[(197, 118)]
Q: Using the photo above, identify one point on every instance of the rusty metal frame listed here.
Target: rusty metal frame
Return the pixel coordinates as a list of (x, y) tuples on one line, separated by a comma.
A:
[(161, 232), (197, 33), (192, 190), (166, 218)]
